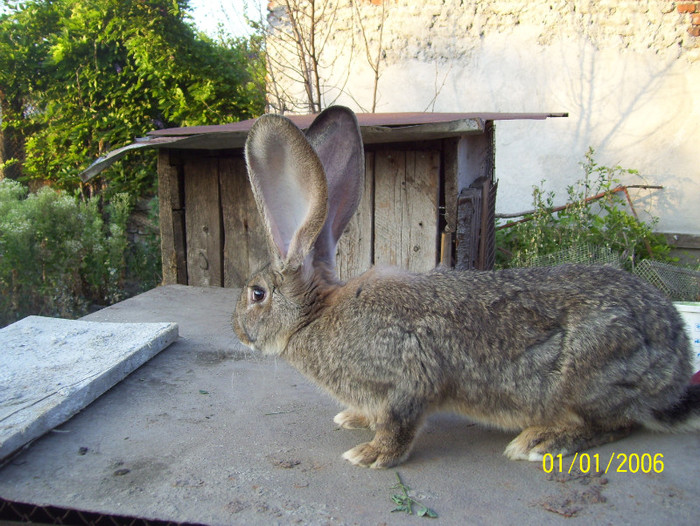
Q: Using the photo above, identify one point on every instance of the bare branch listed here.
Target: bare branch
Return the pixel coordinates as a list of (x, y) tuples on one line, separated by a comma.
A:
[(312, 54), (373, 62), (438, 90)]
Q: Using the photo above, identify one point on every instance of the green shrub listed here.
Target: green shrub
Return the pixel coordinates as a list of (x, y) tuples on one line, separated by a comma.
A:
[(58, 255), (143, 257), (605, 224)]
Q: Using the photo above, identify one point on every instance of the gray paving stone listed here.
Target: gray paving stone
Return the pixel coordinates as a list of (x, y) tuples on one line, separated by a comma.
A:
[(52, 368)]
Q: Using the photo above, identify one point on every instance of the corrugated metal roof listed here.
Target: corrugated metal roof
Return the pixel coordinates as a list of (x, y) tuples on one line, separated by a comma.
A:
[(375, 127), (364, 119)]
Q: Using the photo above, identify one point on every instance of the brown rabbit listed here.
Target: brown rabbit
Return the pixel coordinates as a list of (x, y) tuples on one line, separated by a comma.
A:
[(571, 356)]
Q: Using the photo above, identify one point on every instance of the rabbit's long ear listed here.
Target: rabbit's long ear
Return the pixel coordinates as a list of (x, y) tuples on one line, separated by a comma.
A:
[(335, 135), (289, 187)]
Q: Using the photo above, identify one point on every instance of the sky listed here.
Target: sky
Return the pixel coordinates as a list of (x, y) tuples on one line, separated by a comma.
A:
[(209, 14)]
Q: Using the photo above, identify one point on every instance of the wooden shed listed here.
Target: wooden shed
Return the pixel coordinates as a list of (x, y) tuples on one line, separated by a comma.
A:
[(429, 197)]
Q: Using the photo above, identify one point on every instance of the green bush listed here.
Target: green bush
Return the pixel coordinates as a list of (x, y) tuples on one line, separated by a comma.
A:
[(58, 254), (606, 224), (143, 257)]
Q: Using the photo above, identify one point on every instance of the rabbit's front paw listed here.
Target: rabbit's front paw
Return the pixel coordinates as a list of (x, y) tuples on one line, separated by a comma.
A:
[(351, 419), (370, 456)]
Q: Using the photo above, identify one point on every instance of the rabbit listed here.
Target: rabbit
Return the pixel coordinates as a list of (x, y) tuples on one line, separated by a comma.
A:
[(570, 357)]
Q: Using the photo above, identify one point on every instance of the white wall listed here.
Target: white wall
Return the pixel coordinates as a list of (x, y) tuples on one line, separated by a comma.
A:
[(628, 74)]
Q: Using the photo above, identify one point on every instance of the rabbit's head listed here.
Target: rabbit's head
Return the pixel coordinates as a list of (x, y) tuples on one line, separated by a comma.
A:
[(306, 188)]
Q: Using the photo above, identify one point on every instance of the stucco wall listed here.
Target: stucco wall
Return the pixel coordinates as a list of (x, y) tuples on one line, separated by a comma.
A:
[(627, 72)]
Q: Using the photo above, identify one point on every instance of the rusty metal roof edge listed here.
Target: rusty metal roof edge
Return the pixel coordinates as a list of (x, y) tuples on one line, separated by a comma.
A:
[(389, 120), (104, 162), (375, 128)]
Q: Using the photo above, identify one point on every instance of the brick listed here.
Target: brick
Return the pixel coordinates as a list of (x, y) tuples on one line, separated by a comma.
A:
[(695, 19), (686, 7), (694, 31)]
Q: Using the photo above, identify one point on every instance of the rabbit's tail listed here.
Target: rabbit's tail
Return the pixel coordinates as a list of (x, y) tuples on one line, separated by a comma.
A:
[(684, 415)]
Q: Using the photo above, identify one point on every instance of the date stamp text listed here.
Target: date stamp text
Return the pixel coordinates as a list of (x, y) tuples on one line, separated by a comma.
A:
[(617, 463)]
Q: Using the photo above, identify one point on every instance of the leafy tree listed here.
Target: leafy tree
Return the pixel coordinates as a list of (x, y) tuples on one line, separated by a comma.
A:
[(81, 78), (23, 48)]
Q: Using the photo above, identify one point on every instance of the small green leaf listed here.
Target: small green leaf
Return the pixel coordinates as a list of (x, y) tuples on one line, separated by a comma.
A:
[(426, 512), (406, 503)]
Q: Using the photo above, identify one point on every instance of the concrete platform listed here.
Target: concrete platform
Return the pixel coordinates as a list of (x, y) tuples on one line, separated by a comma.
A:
[(212, 433)]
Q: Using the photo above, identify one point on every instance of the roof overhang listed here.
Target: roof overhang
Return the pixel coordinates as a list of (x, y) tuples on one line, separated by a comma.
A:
[(376, 128)]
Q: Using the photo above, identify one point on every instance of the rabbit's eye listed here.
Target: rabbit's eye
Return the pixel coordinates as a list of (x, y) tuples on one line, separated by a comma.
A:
[(256, 294)]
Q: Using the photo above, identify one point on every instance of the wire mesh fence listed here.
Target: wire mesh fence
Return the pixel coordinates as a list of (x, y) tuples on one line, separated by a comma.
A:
[(678, 283), (21, 512), (585, 254)]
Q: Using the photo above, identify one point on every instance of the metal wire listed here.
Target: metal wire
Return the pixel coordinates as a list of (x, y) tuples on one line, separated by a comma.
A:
[(42, 515), (678, 283), (587, 254)]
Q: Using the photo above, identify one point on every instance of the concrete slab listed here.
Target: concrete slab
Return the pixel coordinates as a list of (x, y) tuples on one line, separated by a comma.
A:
[(212, 433), (52, 368)]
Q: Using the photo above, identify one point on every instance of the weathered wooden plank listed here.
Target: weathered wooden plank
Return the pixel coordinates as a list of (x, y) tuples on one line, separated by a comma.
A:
[(234, 195), (245, 245), (683, 241), (476, 232), (354, 254), (406, 209), (469, 220), (487, 240), (454, 166), (203, 223), (421, 212), (179, 240), (447, 249), (172, 225), (389, 184), (475, 242), (475, 158)]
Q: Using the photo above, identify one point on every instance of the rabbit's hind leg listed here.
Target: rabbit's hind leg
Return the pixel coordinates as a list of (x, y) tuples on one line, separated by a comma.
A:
[(535, 442), (353, 419)]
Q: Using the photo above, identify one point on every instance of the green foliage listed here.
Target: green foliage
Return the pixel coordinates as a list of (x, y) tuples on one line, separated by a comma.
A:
[(143, 256), (78, 79), (58, 255), (407, 504), (606, 222)]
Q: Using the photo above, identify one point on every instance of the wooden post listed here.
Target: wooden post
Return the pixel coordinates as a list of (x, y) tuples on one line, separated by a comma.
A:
[(203, 222), (245, 245), (455, 174), (172, 218), (467, 236), (354, 254), (406, 208), (476, 204)]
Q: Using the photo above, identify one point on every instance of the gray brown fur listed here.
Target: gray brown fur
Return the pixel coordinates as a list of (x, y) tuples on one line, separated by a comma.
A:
[(571, 356)]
